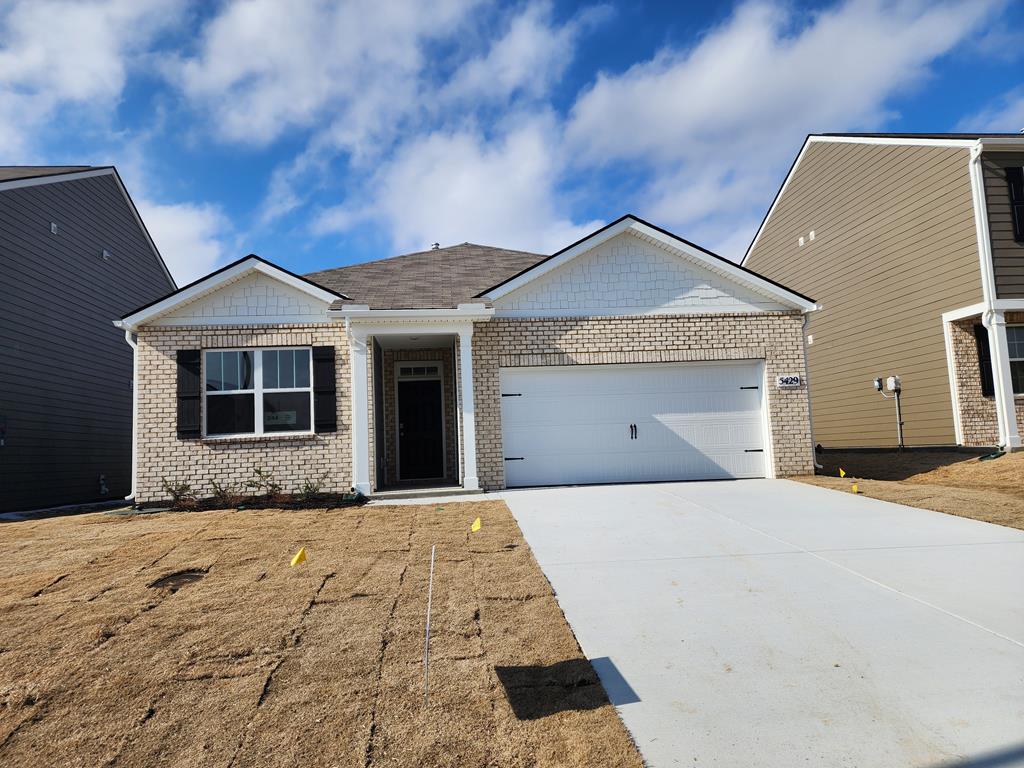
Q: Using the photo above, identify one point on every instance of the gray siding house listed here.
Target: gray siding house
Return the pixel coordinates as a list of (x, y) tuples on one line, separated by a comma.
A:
[(70, 237)]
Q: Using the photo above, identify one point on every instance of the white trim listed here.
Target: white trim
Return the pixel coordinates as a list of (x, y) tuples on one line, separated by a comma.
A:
[(999, 144), (993, 318), (954, 386), (766, 426), (962, 313), (877, 140), (467, 411), (212, 282), (257, 392), (678, 247), (134, 344), (361, 313), (187, 322), (360, 401), (439, 376)]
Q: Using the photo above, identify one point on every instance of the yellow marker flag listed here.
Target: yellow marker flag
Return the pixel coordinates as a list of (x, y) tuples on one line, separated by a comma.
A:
[(842, 472), (300, 557), (475, 526), (854, 488)]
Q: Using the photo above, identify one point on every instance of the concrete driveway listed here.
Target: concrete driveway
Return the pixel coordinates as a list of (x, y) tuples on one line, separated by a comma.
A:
[(770, 623)]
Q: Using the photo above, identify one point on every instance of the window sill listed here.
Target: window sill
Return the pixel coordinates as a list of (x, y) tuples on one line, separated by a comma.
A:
[(258, 438)]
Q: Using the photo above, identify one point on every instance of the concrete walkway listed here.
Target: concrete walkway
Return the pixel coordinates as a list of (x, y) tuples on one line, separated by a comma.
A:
[(770, 623)]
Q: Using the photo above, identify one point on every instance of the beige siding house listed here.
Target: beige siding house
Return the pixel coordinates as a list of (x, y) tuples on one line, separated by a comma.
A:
[(914, 247), (631, 355)]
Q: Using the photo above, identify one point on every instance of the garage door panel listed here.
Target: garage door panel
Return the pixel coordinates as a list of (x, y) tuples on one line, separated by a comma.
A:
[(572, 424)]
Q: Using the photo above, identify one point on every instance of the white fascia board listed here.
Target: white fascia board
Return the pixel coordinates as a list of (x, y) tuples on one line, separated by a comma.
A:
[(211, 283), (673, 245), (877, 140), (728, 269), (361, 313), (959, 314), (552, 264), (54, 178)]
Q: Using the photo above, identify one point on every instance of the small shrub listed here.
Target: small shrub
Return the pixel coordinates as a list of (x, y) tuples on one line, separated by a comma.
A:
[(264, 484), (311, 488), (225, 495), (182, 495)]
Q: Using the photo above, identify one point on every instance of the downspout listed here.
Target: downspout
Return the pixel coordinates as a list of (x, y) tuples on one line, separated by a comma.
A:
[(807, 369), (988, 288), (134, 344)]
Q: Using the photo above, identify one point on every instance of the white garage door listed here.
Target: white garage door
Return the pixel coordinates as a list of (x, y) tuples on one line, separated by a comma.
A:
[(623, 423)]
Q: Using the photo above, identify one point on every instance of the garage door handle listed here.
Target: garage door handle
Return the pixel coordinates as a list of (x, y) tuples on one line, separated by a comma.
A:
[(514, 458), (749, 387), (753, 450)]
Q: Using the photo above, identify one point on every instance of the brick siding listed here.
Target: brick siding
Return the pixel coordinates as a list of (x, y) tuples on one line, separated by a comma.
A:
[(291, 460), (977, 413), (776, 338)]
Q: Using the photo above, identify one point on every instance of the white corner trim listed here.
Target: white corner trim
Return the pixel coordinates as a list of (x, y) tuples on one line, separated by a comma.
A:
[(954, 387), (217, 280), (672, 245)]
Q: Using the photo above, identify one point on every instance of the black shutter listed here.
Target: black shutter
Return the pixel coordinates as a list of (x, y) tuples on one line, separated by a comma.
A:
[(988, 388), (1015, 181), (190, 394), (325, 406)]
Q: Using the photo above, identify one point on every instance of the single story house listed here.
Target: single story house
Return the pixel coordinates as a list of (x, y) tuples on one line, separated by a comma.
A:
[(630, 355)]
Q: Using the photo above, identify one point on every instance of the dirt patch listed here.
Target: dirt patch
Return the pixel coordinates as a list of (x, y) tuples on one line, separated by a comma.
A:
[(187, 639), (944, 481)]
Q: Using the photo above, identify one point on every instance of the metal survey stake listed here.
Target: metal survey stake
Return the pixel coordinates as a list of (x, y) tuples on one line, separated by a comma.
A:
[(426, 641)]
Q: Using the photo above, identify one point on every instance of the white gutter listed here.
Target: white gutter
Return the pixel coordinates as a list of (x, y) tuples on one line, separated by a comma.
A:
[(134, 344), (992, 317)]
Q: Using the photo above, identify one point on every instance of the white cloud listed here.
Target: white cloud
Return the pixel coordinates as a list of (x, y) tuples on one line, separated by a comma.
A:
[(454, 187), (1005, 115), (56, 54), (714, 122), (188, 236), (527, 60), (265, 67)]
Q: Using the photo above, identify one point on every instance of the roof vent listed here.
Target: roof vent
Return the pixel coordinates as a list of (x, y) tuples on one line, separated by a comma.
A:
[(53, 227), (435, 246), (106, 255)]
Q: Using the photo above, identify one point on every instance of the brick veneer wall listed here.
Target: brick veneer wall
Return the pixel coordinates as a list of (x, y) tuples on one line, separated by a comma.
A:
[(977, 412), (775, 337), (448, 378), (291, 460)]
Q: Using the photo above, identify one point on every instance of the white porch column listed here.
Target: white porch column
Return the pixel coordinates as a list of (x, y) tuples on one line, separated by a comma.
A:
[(360, 412), (469, 477), (1006, 413)]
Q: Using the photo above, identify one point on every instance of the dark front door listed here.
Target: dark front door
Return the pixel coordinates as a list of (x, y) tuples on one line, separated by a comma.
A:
[(420, 430)]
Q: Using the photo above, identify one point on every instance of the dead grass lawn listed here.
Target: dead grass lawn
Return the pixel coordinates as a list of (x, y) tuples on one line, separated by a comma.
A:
[(944, 481), (254, 663)]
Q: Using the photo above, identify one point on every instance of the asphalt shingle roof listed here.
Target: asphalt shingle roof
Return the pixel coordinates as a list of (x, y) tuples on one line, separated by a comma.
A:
[(12, 172), (437, 279)]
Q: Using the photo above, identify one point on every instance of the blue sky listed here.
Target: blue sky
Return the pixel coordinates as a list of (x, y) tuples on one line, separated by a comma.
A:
[(319, 134)]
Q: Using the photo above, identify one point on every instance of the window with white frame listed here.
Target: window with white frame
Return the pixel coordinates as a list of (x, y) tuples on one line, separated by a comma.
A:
[(1015, 337), (258, 391)]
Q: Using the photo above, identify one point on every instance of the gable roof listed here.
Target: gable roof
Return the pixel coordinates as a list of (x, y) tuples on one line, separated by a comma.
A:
[(220, 277), (948, 140), (11, 172), (673, 242), (19, 176), (438, 278)]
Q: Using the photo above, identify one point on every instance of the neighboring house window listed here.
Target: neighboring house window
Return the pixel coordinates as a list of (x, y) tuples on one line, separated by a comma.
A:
[(1015, 181), (258, 391), (1015, 337)]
